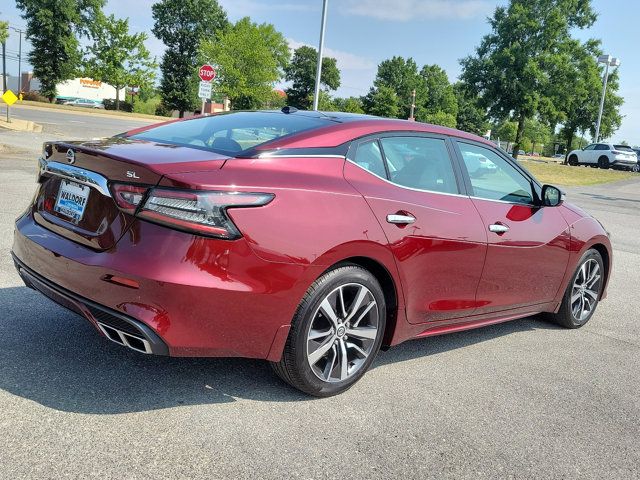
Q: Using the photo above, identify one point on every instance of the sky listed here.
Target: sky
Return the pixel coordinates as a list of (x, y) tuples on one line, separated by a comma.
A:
[(362, 33)]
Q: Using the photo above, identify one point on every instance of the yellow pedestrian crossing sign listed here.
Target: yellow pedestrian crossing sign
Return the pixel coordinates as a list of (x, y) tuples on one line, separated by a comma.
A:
[(9, 97)]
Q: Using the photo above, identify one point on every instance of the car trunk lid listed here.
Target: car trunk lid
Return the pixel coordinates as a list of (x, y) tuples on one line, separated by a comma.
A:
[(75, 198)]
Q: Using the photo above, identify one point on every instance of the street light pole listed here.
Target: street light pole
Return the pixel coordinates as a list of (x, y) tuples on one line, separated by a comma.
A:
[(316, 94), (609, 62)]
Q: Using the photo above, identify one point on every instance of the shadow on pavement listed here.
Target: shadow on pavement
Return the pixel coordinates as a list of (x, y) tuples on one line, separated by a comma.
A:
[(57, 359)]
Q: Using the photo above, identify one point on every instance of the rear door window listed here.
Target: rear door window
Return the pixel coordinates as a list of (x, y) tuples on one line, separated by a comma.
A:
[(369, 157), (420, 162)]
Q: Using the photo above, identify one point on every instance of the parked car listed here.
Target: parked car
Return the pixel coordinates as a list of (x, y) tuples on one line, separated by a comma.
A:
[(604, 155), (311, 243), (81, 102), (636, 167)]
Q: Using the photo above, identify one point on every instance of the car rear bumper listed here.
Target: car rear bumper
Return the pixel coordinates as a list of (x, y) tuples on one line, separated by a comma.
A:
[(116, 327), (166, 292), (624, 162)]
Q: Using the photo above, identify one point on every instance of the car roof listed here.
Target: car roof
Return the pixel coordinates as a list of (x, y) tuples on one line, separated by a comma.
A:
[(343, 127)]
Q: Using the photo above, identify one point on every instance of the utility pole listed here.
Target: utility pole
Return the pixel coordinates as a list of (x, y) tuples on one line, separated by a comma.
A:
[(19, 58), (4, 67), (316, 94), (413, 104)]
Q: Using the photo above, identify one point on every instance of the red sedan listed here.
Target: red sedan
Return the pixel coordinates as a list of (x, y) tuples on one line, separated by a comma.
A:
[(307, 239)]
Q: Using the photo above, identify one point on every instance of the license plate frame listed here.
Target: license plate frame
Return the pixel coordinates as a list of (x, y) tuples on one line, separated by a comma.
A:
[(72, 200)]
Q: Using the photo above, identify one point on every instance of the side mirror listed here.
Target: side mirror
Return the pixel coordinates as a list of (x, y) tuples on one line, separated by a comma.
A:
[(551, 196)]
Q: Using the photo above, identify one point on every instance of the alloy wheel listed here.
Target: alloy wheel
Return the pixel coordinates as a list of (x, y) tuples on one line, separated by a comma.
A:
[(585, 291), (342, 333)]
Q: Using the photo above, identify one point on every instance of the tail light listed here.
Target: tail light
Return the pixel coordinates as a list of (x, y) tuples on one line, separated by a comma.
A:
[(128, 197), (200, 212)]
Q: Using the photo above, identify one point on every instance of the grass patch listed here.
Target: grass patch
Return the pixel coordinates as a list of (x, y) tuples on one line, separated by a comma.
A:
[(88, 111), (558, 174)]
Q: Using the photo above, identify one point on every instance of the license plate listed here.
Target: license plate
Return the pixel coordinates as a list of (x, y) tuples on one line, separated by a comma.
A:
[(72, 200)]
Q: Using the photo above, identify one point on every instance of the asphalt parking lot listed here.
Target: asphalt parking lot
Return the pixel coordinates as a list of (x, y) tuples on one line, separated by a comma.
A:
[(518, 400)]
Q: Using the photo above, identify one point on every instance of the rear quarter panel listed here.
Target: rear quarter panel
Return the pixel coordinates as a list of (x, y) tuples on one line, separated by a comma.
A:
[(316, 218)]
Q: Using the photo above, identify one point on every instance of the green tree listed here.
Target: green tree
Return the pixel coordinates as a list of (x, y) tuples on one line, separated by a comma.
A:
[(382, 101), (325, 102), (471, 116), (402, 76), (118, 57), (182, 25), (349, 105), (535, 133), (4, 31), (251, 59), (505, 131), (510, 68), (441, 105), (53, 28), (302, 72), (576, 89)]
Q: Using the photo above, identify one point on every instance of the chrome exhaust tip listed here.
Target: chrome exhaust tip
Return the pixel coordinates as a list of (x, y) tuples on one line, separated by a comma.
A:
[(125, 339)]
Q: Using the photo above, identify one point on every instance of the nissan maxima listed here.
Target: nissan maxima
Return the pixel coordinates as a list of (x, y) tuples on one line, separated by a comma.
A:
[(307, 239)]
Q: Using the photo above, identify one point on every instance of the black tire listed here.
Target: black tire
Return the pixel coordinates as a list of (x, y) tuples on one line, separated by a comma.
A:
[(566, 316), (573, 160), (294, 367), (636, 168), (603, 162)]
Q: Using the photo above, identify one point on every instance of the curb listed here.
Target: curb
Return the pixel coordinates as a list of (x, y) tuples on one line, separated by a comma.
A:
[(18, 125)]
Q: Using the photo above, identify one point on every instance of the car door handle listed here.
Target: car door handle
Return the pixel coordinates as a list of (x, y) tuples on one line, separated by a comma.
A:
[(498, 228), (400, 219)]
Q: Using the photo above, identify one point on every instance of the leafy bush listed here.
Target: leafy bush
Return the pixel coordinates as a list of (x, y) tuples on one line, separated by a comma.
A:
[(163, 111), (147, 106), (34, 97), (110, 104)]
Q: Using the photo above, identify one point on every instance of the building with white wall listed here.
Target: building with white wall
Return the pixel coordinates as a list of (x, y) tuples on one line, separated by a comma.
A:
[(85, 88)]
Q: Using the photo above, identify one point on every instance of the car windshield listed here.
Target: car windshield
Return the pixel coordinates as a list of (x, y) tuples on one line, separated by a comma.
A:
[(624, 148), (231, 133)]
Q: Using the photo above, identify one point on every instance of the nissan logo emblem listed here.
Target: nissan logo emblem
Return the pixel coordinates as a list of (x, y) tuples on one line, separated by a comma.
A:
[(71, 157)]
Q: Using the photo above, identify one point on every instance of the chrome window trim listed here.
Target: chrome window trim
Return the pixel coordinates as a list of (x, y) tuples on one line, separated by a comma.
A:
[(288, 155), (504, 201), (79, 175), (406, 188), (472, 197)]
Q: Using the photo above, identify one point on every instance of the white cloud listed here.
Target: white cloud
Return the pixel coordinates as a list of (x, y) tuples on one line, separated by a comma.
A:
[(345, 60), (405, 10)]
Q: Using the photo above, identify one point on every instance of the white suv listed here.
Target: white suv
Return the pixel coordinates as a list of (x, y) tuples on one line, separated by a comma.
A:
[(605, 155)]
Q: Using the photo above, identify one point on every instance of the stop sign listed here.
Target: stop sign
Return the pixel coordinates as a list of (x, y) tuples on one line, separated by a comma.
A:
[(206, 73)]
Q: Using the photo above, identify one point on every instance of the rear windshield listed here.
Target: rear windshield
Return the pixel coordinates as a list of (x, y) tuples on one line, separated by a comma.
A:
[(230, 133), (624, 148)]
